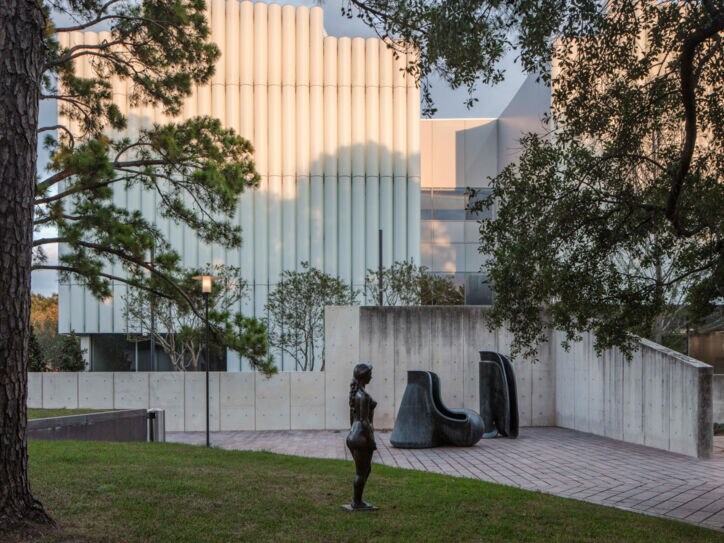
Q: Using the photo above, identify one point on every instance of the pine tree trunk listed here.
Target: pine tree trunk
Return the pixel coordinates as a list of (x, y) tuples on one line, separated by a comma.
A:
[(21, 60)]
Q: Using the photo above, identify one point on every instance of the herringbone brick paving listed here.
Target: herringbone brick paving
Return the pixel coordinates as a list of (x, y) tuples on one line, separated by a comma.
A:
[(552, 460)]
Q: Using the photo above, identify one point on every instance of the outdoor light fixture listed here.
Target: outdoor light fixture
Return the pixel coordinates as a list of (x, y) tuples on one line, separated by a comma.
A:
[(206, 282)]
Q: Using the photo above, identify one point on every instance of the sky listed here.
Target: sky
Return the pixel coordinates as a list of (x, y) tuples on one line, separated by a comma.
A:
[(449, 103)]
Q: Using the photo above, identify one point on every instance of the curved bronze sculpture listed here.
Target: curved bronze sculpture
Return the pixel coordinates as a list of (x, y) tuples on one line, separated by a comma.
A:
[(361, 438), (423, 420), (498, 395)]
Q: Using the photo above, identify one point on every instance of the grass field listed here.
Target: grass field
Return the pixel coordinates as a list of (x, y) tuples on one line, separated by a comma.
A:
[(158, 492), (47, 413)]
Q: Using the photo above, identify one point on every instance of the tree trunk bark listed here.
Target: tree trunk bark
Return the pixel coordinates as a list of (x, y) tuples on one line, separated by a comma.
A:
[(21, 59)]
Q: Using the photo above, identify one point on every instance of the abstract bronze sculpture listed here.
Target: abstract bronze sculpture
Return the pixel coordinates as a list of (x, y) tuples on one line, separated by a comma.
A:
[(361, 438), (423, 420), (498, 395)]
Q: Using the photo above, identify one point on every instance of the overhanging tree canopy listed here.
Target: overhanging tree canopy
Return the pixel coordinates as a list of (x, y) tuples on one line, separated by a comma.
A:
[(619, 209)]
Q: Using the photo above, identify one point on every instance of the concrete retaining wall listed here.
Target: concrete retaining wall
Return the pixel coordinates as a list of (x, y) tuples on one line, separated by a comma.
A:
[(238, 401), (661, 398), (113, 426), (446, 340), (718, 393)]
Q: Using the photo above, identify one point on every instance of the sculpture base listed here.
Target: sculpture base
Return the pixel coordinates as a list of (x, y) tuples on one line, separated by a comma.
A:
[(365, 507)]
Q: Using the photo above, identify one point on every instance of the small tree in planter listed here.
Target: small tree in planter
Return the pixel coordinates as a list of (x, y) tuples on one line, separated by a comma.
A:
[(296, 313), (405, 283), (181, 331)]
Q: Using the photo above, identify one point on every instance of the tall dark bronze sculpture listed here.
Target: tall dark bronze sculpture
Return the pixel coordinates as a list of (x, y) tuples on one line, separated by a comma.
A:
[(361, 438), (498, 395)]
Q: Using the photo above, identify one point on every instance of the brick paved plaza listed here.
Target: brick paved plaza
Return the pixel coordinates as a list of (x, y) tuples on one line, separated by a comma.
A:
[(553, 460)]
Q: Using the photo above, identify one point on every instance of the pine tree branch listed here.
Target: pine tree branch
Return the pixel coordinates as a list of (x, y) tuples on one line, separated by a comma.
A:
[(59, 127), (52, 180), (77, 271), (75, 190), (99, 19), (65, 216), (47, 241), (137, 262), (121, 166)]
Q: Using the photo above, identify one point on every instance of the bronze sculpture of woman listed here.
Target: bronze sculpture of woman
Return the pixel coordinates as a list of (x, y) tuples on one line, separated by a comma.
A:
[(361, 438)]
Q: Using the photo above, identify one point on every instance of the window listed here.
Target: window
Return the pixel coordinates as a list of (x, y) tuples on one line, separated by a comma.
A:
[(452, 204), (426, 204), (449, 204)]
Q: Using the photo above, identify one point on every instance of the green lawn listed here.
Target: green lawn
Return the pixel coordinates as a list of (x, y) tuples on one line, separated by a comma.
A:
[(47, 413), (166, 492)]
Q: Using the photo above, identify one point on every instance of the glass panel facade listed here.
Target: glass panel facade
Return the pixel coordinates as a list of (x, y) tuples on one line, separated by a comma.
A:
[(118, 352), (477, 289), (452, 204), (449, 204), (426, 204), (111, 352), (450, 239)]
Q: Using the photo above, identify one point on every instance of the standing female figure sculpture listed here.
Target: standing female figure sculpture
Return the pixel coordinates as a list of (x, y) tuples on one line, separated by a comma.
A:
[(361, 438)]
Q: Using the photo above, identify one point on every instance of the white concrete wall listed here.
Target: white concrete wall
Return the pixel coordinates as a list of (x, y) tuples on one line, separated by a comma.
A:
[(660, 399), (523, 114), (458, 153)]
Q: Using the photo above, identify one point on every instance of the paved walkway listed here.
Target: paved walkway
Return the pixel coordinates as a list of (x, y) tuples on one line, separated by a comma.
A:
[(552, 460)]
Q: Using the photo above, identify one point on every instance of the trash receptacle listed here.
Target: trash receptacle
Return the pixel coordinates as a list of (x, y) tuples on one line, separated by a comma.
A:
[(156, 425)]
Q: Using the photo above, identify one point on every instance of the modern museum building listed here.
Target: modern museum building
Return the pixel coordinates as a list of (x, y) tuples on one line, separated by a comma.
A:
[(342, 152)]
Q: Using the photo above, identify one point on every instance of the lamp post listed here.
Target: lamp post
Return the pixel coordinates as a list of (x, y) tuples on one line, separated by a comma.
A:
[(206, 281), (152, 334), (154, 364)]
